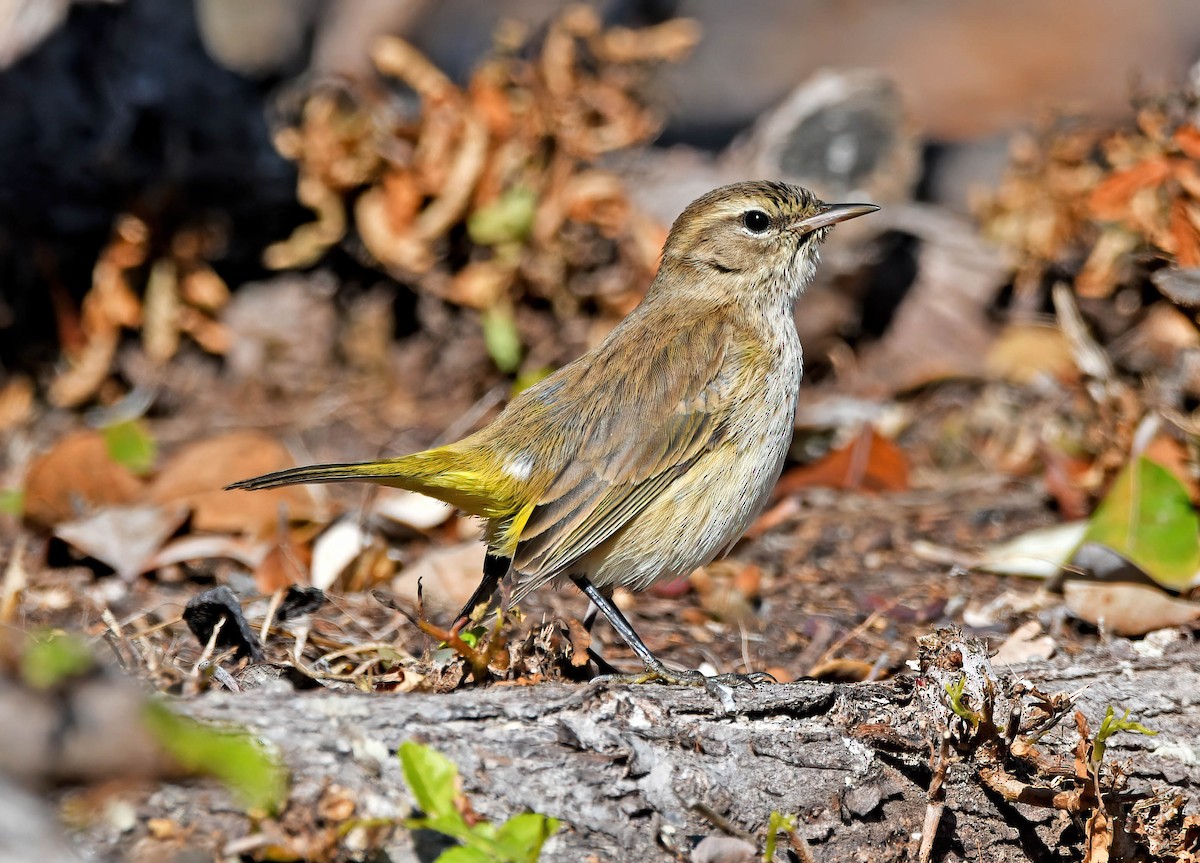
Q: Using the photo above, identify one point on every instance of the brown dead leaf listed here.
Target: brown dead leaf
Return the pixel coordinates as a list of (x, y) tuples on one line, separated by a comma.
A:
[(581, 640), (1068, 480), (1127, 609), (75, 478), (727, 588), (202, 288), (249, 553), (16, 401), (1185, 232), (284, 565), (1099, 837), (1110, 200), (870, 462), (448, 575), (197, 475), (1026, 643), (1021, 353), (1187, 139)]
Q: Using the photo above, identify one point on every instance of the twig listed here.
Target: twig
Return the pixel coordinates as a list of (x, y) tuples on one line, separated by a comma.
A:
[(716, 819), (937, 800), (268, 618)]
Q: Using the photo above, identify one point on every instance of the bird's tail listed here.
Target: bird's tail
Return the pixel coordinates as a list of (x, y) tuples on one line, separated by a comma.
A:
[(444, 473)]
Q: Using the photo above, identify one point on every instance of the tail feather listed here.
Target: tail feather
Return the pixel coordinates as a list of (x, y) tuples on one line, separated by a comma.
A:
[(363, 472), (447, 475)]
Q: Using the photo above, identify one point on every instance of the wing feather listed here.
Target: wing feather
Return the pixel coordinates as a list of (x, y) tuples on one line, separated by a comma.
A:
[(643, 430)]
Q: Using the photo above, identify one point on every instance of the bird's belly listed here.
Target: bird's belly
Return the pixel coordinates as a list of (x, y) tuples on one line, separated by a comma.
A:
[(703, 513)]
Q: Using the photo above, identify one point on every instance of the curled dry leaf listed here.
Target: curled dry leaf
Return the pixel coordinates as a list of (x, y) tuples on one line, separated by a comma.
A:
[(525, 130), (75, 478), (197, 475)]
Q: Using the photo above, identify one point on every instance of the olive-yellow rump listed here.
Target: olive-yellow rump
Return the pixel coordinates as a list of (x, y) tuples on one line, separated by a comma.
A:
[(650, 454)]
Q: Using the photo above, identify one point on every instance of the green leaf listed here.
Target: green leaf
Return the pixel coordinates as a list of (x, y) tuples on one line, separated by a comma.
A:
[(432, 778), (508, 219), (1147, 517), (131, 445), (501, 338), (464, 854), (522, 836), (12, 501), (252, 774), (52, 657)]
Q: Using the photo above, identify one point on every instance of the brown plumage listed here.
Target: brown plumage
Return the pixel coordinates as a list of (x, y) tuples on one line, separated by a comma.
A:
[(648, 455)]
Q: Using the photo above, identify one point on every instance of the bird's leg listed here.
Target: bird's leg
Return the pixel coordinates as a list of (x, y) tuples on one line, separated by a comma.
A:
[(495, 568), (655, 670), (602, 664)]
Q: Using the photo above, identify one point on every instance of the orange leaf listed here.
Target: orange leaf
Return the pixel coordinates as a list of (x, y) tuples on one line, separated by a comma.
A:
[(1184, 234), (1110, 200), (76, 477), (1187, 139), (197, 474), (869, 463)]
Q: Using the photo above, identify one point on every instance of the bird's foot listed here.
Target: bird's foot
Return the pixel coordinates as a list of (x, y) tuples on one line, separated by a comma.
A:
[(691, 677)]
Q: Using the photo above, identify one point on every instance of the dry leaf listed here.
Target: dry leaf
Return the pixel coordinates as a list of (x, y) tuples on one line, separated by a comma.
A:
[(448, 575), (284, 565), (1021, 353), (869, 463), (197, 475), (1026, 643), (411, 509), (124, 537), (16, 402), (1127, 609), (247, 552), (76, 477)]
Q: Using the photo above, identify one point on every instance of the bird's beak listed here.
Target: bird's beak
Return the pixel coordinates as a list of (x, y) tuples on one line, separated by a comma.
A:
[(831, 214)]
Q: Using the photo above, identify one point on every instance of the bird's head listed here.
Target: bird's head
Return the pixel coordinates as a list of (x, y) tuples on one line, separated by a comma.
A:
[(757, 237)]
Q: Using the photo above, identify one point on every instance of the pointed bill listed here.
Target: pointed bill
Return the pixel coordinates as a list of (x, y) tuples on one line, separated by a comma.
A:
[(831, 214)]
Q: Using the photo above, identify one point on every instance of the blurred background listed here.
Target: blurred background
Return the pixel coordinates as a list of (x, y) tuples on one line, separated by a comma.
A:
[(237, 236)]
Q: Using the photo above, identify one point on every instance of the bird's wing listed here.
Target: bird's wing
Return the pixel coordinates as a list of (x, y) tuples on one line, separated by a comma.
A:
[(655, 409)]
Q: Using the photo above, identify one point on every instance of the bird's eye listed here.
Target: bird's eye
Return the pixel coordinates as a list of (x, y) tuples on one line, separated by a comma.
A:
[(756, 221)]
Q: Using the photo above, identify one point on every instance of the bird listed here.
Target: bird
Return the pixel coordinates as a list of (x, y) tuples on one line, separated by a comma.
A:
[(649, 455)]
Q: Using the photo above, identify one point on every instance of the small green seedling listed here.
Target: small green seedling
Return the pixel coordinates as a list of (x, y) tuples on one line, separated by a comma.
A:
[(779, 823), (1110, 726), (955, 691), (433, 780)]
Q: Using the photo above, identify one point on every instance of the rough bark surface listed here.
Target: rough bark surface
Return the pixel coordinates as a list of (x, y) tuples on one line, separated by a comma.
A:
[(623, 767)]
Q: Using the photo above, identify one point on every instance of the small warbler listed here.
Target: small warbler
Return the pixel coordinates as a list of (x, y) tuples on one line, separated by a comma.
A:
[(650, 454)]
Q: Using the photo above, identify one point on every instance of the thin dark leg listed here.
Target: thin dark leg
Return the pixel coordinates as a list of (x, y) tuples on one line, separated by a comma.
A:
[(589, 620), (495, 568), (655, 670), (622, 626)]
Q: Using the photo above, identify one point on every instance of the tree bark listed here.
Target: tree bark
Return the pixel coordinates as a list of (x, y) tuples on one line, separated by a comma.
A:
[(632, 770)]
